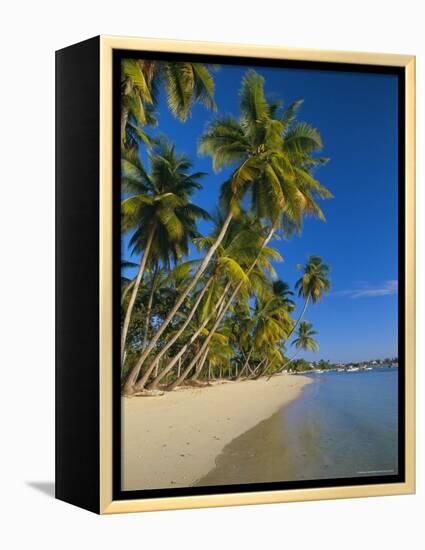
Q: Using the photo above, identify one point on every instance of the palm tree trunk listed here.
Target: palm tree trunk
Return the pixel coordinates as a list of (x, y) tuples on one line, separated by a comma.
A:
[(124, 119), (200, 366), (136, 369), (183, 350), (285, 365), (137, 282), (222, 314), (140, 385), (267, 365), (300, 316), (149, 309), (142, 382), (243, 369), (209, 370), (258, 368), (126, 290)]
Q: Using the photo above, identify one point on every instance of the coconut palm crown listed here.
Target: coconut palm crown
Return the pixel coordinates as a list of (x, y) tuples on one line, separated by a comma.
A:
[(305, 337), (274, 157), (315, 281), (185, 83), (159, 211)]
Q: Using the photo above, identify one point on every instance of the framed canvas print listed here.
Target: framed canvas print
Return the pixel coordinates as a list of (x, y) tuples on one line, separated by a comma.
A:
[(235, 274)]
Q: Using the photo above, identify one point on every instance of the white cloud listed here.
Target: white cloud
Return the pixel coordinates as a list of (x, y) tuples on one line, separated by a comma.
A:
[(364, 290)]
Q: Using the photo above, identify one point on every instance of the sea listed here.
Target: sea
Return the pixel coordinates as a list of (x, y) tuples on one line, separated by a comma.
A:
[(343, 425)]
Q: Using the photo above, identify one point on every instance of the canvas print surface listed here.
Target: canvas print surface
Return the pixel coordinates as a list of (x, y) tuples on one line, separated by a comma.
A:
[(259, 274)]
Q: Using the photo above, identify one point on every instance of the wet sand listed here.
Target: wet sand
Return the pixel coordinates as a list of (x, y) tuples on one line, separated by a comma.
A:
[(174, 440), (260, 455)]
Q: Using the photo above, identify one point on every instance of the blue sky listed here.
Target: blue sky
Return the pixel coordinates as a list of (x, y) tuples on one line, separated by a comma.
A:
[(356, 115)]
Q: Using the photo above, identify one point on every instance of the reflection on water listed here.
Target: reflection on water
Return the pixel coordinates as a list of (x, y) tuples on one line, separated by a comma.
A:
[(343, 425)]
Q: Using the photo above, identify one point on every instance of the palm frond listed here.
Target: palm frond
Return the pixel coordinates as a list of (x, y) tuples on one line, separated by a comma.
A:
[(290, 114), (303, 139)]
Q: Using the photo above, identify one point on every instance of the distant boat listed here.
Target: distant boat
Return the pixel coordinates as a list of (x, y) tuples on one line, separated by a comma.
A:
[(353, 369), (319, 371), (340, 370), (368, 368)]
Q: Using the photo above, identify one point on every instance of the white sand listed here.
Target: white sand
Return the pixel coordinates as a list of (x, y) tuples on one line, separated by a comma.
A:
[(173, 440)]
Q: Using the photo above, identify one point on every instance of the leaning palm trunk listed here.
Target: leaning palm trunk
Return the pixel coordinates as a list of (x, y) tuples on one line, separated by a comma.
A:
[(128, 388), (200, 366), (154, 384), (260, 370), (137, 282), (243, 369), (285, 365), (183, 350), (149, 311), (126, 291), (141, 384), (124, 119), (301, 315), (222, 314)]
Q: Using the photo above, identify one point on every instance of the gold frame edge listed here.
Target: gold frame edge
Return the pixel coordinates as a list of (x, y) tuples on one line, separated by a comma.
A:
[(107, 505)]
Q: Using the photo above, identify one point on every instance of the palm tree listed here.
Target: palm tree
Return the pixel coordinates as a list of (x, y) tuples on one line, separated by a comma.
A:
[(240, 246), (273, 353), (272, 155), (313, 284), (262, 255), (281, 290), (269, 324), (273, 159), (156, 280), (126, 284), (194, 331), (179, 302), (159, 212), (218, 354), (305, 337), (185, 83), (304, 341)]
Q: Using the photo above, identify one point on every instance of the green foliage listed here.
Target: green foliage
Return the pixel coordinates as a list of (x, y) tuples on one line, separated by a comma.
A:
[(271, 155), (305, 337), (185, 83), (315, 281), (272, 187), (161, 203)]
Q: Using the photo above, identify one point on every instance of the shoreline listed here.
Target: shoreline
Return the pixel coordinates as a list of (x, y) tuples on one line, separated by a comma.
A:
[(325, 432), (174, 440)]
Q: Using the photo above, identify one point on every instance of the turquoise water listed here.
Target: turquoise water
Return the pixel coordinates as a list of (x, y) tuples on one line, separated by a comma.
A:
[(344, 425)]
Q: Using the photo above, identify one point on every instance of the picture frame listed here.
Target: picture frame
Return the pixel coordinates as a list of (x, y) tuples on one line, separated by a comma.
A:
[(88, 394)]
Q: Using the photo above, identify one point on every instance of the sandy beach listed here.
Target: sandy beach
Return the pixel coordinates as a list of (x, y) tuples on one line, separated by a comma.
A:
[(174, 440)]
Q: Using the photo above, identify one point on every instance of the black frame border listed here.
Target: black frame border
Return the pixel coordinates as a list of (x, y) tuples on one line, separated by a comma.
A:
[(117, 493)]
